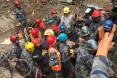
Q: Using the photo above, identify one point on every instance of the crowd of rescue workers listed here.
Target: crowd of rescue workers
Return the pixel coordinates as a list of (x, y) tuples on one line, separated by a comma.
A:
[(62, 47)]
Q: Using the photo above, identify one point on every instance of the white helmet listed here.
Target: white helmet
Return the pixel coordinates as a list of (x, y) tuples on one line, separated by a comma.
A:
[(88, 10), (84, 31)]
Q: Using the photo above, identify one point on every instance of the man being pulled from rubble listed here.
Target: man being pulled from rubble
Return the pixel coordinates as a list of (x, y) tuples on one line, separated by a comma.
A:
[(85, 58), (67, 66)]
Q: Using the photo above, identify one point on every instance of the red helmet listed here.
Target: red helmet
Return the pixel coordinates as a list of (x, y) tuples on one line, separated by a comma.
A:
[(96, 13), (41, 25), (13, 38), (16, 3), (36, 40), (55, 28), (34, 32), (51, 40), (38, 21), (54, 11)]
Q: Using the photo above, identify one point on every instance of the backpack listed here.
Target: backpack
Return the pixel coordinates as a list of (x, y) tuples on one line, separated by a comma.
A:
[(54, 59)]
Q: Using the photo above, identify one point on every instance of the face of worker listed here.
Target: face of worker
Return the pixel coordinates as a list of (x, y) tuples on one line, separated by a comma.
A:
[(66, 14), (54, 15)]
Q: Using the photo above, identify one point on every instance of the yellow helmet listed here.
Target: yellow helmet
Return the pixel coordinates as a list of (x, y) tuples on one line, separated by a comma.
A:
[(29, 46), (49, 32), (66, 10)]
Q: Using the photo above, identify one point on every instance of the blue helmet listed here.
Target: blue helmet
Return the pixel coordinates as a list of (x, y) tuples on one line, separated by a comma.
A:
[(107, 25), (62, 27), (62, 37)]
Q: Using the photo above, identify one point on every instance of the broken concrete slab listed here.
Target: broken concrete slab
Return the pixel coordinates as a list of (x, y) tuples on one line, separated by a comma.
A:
[(68, 1)]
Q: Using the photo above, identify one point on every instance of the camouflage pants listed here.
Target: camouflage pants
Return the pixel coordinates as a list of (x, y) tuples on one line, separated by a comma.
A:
[(58, 74)]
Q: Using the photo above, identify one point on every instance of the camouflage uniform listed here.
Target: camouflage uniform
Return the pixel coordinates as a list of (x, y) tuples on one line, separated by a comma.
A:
[(16, 50), (20, 15), (83, 63), (34, 68), (100, 67), (56, 20), (68, 68)]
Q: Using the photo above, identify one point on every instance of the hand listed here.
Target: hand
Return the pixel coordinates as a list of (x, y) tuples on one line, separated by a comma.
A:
[(14, 59), (113, 29), (105, 44), (80, 18)]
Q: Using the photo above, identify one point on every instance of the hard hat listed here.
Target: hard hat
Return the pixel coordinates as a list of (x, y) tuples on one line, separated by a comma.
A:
[(16, 3), (62, 27), (88, 10), (91, 45), (54, 11), (41, 25), (34, 32), (49, 32), (36, 40), (13, 38), (66, 10), (38, 21), (84, 31), (29, 46), (107, 25), (96, 13), (55, 28), (51, 40), (62, 37)]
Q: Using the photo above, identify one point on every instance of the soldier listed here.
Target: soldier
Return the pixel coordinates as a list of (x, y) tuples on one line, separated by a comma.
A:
[(54, 56), (21, 17), (68, 67), (96, 18), (85, 58), (100, 67), (55, 19)]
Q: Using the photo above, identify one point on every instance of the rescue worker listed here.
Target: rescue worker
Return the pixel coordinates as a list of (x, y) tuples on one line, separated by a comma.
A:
[(47, 32), (96, 21), (54, 56), (16, 49), (62, 28), (84, 35), (100, 67), (27, 55), (67, 19), (55, 19), (42, 27), (113, 14), (107, 26), (18, 53), (67, 66), (87, 17), (37, 22), (84, 59), (21, 17), (55, 29), (36, 38), (19, 13)]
